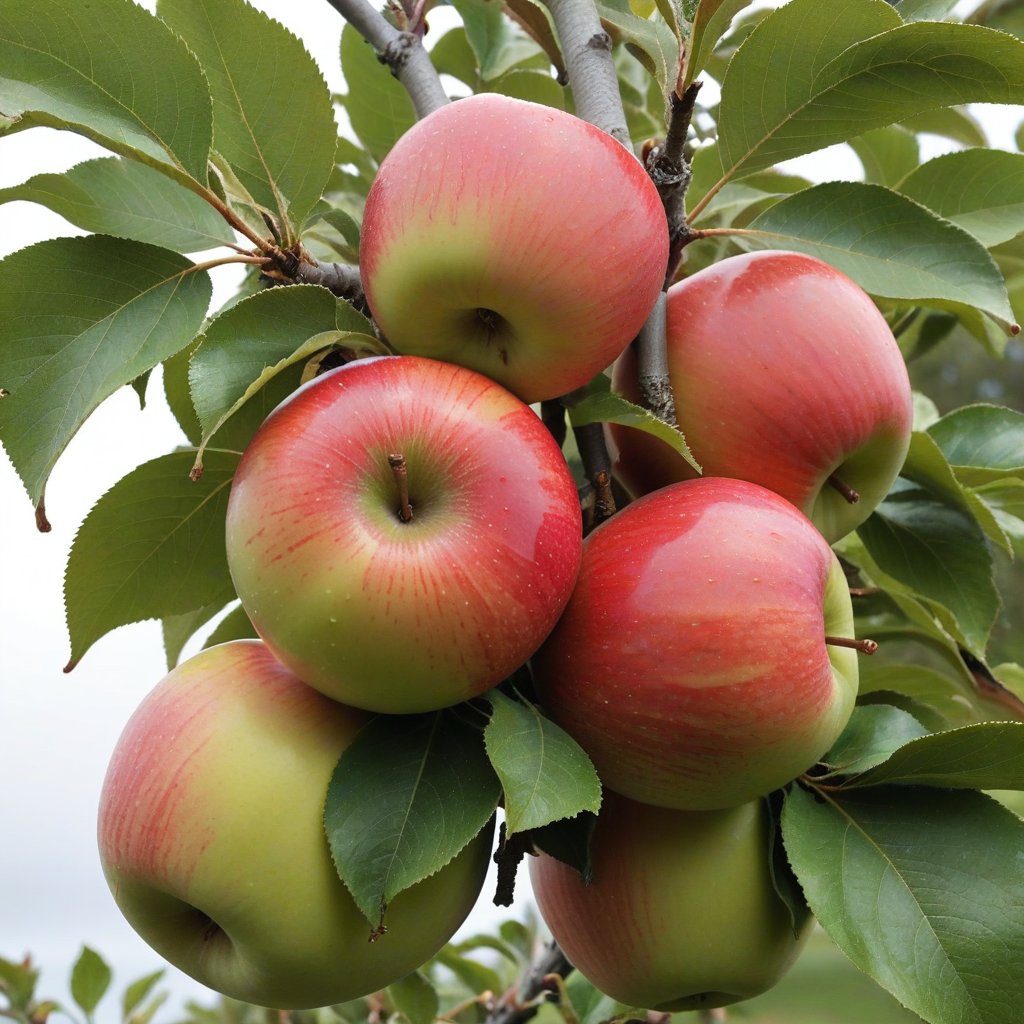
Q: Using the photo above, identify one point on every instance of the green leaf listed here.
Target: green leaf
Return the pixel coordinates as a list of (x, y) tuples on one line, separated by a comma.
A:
[(234, 626), (18, 982), (378, 107), (251, 343), (891, 246), (981, 190), (476, 977), (90, 979), (939, 553), (845, 76), (956, 123), (544, 773), (888, 154), (152, 546), (179, 629), (926, 464), (985, 755), (407, 795), (653, 43), (119, 197), (137, 991), (939, 700), (602, 405), (871, 735), (80, 318), (498, 44), (922, 889), (568, 840), (267, 94), (710, 22), (111, 71), (532, 86), (925, 10), (415, 998), (983, 443)]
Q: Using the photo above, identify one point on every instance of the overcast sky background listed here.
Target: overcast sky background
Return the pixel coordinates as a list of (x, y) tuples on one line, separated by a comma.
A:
[(57, 731)]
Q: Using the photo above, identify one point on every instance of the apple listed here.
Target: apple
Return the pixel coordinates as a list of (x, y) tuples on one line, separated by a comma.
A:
[(691, 662), (403, 533), (786, 374), (681, 913), (515, 239), (211, 838)]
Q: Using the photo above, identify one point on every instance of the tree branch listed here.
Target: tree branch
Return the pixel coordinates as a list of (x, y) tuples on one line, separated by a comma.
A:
[(652, 364), (522, 1002), (591, 69), (403, 52)]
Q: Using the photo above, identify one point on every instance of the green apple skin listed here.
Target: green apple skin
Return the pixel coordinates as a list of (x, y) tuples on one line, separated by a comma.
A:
[(681, 913), (513, 238), (691, 661), (211, 838), (394, 616), (784, 372)]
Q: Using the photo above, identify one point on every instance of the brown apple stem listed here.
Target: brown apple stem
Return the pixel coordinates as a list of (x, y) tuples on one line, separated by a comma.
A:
[(397, 463), (864, 646), (844, 489)]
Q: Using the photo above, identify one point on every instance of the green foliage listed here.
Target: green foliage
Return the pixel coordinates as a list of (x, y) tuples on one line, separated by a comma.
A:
[(201, 111)]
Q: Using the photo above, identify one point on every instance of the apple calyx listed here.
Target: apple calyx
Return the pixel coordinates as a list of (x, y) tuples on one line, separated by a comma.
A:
[(396, 460), (862, 646), (844, 489)]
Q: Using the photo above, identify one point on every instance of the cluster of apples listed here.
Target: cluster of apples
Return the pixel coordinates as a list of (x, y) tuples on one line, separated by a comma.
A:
[(404, 534)]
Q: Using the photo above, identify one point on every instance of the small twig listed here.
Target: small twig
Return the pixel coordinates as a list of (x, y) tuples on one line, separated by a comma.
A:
[(403, 52), (521, 1002), (597, 465)]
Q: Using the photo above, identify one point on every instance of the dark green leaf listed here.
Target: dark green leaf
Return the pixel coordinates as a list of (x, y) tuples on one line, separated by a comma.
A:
[(415, 998), (408, 794), (137, 991), (983, 443), (892, 247), (981, 190), (845, 76), (267, 94), (112, 72), (152, 546), (929, 693), (871, 735), (923, 889), (987, 755), (120, 197), (544, 773), (939, 553), (80, 318), (378, 107), (90, 979), (568, 840)]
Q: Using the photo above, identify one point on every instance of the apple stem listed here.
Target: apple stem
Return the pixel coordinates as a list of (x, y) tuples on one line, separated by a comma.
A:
[(844, 489), (864, 646), (397, 463)]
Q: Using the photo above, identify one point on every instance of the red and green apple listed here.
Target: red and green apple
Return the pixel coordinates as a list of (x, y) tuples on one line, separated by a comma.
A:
[(691, 662), (403, 533), (212, 841), (515, 239), (784, 373)]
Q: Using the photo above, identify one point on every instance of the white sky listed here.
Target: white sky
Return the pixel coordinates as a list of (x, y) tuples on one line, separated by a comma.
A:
[(57, 731)]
